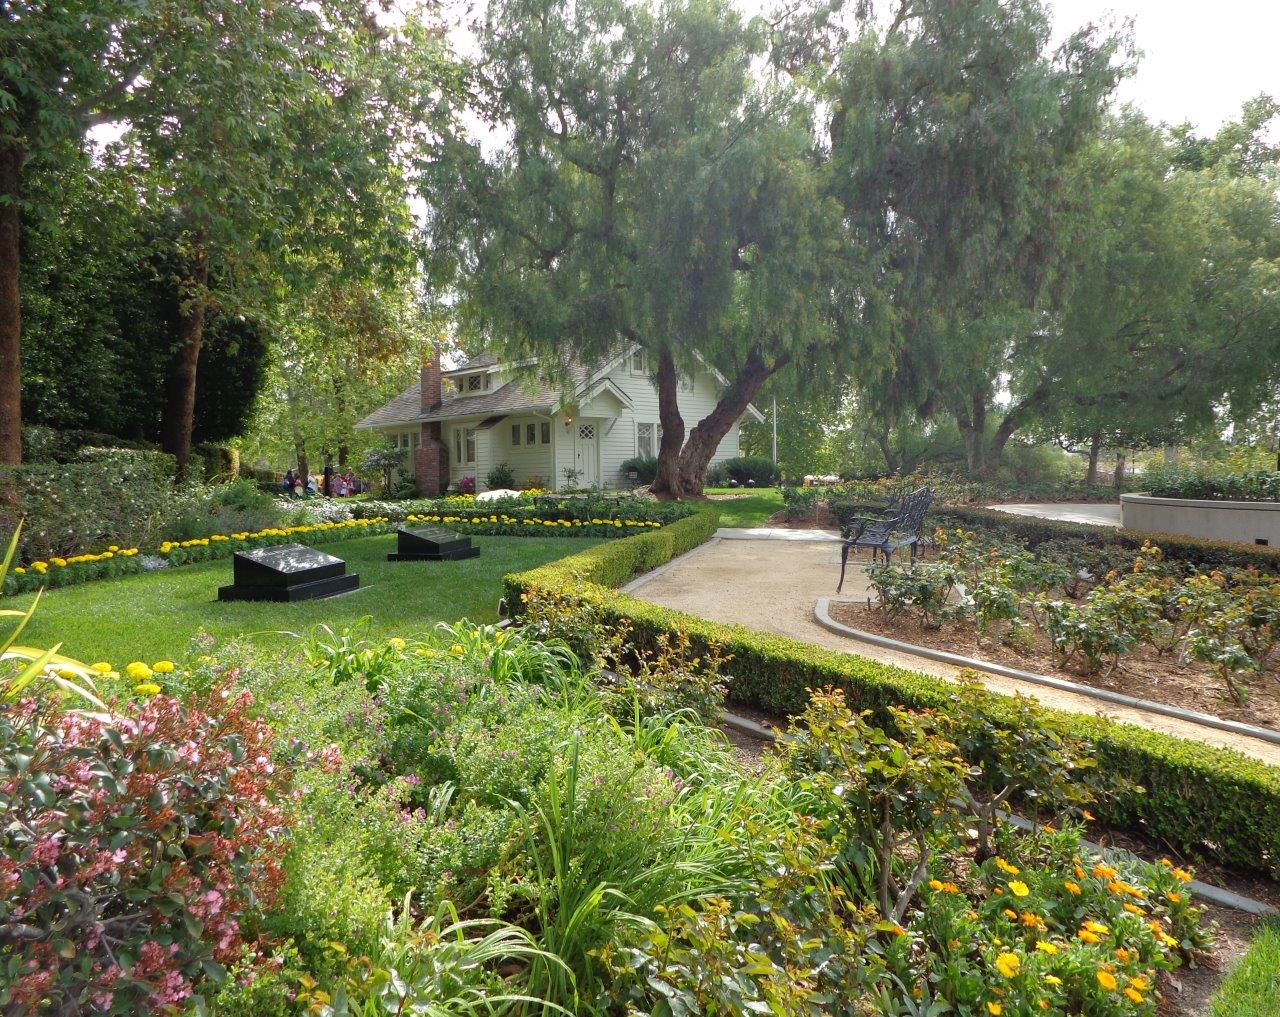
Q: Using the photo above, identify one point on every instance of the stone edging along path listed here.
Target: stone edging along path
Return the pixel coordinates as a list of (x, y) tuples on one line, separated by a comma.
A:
[(1216, 894), (822, 615)]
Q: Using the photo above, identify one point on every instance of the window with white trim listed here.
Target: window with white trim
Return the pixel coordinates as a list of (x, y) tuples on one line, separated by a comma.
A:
[(644, 440), (530, 434), (639, 363), (469, 441), (515, 434), (546, 433)]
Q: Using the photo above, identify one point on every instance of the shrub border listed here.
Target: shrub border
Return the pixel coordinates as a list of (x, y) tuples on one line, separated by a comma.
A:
[(1198, 550), (1199, 799)]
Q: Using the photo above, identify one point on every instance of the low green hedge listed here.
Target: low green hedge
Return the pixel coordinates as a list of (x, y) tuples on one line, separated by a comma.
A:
[(1199, 799)]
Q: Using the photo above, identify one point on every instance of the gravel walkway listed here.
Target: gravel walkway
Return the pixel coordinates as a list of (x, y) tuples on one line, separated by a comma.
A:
[(772, 586)]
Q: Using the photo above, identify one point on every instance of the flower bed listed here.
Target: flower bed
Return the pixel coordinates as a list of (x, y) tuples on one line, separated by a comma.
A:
[(1222, 628), (1197, 799), (114, 561)]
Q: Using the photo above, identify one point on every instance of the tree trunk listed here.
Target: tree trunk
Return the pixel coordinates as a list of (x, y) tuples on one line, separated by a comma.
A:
[(705, 438), (973, 428), (666, 483), (180, 381), (1117, 478), (1095, 448), (891, 462), (11, 160)]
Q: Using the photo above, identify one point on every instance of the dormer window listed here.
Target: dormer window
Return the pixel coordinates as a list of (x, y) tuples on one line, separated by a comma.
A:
[(639, 363), (473, 384)]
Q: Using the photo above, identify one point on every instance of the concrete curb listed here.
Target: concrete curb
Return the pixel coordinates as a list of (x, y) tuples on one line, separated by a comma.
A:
[(1216, 894), (822, 615)]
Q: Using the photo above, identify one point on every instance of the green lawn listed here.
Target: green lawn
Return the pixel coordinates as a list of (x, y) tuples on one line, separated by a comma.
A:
[(1253, 987), (153, 616), (748, 509)]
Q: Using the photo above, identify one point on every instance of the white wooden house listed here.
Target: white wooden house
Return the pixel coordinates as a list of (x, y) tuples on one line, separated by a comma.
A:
[(575, 430)]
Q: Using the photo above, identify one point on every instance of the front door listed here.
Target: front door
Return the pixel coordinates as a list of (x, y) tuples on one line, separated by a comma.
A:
[(586, 454)]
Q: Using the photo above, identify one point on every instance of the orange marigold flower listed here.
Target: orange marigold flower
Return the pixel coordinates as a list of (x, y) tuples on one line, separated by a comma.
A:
[(1107, 980)]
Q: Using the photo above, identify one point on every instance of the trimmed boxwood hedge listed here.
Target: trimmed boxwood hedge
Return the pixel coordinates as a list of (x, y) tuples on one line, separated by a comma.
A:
[(1199, 799)]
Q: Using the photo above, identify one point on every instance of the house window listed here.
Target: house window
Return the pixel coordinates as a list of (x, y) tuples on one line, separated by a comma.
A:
[(530, 434), (515, 434), (546, 433), (469, 438), (415, 439), (457, 444), (639, 363), (471, 384), (644, 440)]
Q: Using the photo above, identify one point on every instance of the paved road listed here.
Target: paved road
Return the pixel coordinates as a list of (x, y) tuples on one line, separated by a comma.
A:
[(1094, 513)]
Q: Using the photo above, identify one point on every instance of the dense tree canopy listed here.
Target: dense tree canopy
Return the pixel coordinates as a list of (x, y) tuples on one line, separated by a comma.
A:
[(647, 189)]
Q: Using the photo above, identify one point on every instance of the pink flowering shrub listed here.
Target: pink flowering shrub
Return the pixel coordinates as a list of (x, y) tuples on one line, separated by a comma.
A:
[(133, 845)]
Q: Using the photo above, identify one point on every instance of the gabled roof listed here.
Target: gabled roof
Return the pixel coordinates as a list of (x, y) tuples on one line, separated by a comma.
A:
[(527, 393)]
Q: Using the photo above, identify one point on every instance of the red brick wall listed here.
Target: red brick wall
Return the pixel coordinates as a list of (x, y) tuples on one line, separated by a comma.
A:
[(431, 462), (431, 458)]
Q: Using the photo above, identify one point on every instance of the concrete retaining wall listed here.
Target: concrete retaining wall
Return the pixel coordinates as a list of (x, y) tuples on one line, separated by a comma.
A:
[(1244, 522)]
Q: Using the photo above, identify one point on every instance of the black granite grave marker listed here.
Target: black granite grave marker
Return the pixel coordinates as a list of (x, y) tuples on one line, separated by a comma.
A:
[(287, 572), (431, 543)]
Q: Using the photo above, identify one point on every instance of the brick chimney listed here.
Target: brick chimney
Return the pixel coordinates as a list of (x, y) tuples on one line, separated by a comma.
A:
[(430, 381), (431, 458)]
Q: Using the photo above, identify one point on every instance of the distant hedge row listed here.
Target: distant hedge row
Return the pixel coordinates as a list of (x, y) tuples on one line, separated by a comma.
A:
[(1199, 799)]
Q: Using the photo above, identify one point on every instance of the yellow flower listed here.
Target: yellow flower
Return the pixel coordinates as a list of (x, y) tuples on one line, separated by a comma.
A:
[(1107, 980), (1140, 982), (1053, 979), (1010, 914), (994, 1009), (1018, 888), (1044, 946), (457, 650), (1182, 875), (935, 884), (1032, 920), (1073, 887), (1005, 866), (396, 643), (1085, 936), (1008, 964), (1097, 927), (162, 667), (1134, 994), (102, 667), (138, 671), (1133, 909), (1104, 871), (146, 689)]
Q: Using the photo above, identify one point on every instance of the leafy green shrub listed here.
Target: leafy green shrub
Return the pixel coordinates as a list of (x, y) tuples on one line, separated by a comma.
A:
[(743, 471), (1198, 799), (1211, 484), (799, 502), (923, 589), (225, 508), (108, 496), (645, 469), (501, 476)]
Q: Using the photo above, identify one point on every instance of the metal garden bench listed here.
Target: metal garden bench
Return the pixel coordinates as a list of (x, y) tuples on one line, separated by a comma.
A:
[(897, 527)]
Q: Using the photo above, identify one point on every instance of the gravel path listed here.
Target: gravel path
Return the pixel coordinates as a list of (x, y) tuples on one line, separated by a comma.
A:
[(772, 586)]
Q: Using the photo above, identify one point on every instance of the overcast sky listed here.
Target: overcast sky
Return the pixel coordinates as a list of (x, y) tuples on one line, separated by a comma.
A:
[(1200, 60)]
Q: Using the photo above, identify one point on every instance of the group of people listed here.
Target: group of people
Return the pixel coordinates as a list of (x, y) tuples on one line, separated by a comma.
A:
[(331, 483)]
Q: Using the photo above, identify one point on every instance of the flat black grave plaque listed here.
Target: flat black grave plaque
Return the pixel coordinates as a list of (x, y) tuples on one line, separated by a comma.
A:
[(287, 572), (431, 543)]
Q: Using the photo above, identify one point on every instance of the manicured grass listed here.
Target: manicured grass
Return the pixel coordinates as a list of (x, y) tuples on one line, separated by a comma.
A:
[(751, 509), (1253, 987), (153, 616)]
